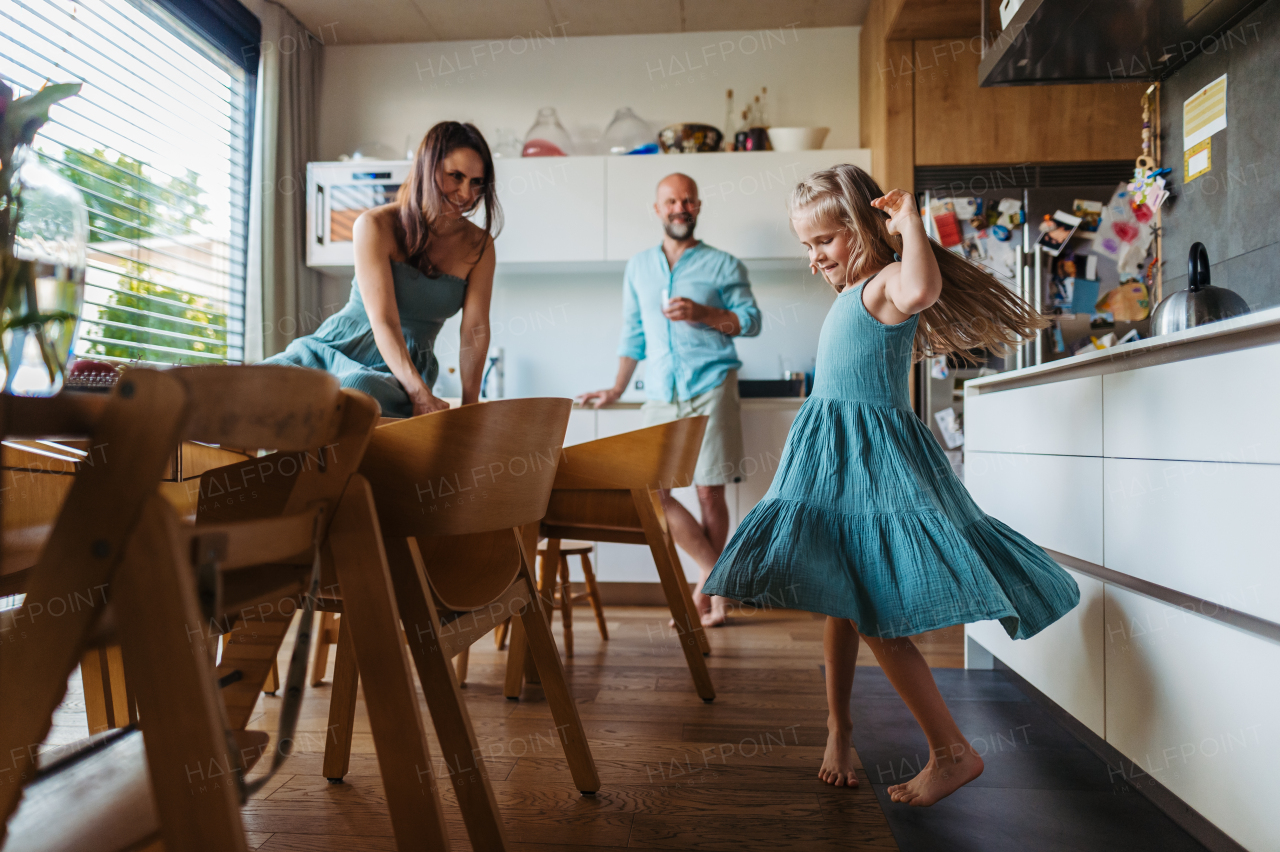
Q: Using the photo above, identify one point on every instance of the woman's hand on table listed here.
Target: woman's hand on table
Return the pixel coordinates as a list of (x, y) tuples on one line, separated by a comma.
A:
[(424, 402)]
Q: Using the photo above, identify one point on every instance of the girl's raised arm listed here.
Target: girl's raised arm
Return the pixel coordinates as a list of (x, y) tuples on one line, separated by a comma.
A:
[(919, 282)]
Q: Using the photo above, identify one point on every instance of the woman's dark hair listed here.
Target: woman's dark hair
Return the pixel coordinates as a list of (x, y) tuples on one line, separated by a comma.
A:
[(421, 201)]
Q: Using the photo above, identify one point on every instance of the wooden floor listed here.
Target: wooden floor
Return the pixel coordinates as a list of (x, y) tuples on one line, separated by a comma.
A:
[(678, 774)]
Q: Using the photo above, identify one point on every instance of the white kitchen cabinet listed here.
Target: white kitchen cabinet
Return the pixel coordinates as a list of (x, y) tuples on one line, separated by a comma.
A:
[(765, 425), (1056, 501), (743, 196), (1193, 703), (1203, 528), (1062, 418), (1217, 408), (1065, 661), (552, 209)]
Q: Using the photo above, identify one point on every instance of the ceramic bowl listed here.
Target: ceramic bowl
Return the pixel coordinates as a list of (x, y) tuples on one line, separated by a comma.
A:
[(797, 138), (690, 139)]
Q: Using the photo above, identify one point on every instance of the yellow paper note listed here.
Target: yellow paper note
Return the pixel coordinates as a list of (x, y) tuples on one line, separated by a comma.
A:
[(1204, 113)]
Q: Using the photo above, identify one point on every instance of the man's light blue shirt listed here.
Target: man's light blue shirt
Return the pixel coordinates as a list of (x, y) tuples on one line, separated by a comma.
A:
[(685, 359)]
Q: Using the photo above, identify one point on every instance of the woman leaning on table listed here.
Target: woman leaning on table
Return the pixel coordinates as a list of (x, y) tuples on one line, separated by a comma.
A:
[(418, 261)]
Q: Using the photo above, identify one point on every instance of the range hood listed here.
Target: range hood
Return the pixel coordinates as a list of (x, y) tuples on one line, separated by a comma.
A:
[(1109, 41)]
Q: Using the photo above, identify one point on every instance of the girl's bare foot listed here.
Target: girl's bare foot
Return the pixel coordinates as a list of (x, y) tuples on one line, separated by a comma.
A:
[(837, 761), (940, 777), (701, 603), (718, 614)]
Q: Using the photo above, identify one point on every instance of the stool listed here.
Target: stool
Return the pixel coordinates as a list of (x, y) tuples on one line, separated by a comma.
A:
[(565, 596)]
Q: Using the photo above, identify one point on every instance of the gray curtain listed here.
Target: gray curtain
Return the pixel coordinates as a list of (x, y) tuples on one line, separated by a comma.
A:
[(283, 295)]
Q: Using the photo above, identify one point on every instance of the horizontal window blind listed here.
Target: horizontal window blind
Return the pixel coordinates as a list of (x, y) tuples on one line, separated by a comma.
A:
[(158, 143)]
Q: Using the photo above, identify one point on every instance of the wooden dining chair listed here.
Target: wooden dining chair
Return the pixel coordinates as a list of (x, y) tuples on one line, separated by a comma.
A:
[(459, 496), (171, 585), (610, 490)]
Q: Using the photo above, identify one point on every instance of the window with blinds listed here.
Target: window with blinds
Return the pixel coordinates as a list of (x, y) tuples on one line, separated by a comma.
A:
[(158, 143)]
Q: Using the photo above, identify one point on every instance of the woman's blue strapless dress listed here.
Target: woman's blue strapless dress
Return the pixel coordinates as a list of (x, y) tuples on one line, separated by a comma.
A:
[(344, 344), (865, 519)]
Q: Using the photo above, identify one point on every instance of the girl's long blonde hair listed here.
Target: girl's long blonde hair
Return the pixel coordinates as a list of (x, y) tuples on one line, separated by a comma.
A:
[(974, 311)]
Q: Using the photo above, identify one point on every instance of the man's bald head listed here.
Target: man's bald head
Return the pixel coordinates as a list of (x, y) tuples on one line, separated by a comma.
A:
[(677, 205), (679, 183)]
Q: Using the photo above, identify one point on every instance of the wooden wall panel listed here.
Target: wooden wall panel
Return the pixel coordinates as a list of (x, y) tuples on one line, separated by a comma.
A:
[(959, 123), (886, 97), (922, 19)]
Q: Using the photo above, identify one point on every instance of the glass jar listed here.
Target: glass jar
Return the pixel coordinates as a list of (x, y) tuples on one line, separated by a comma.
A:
[(547, 137), (628, 132), (40, 314)]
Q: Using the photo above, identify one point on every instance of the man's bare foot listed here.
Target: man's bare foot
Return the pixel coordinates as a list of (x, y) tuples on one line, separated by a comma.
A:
[(940, 777), (718, 615), (837, 761)]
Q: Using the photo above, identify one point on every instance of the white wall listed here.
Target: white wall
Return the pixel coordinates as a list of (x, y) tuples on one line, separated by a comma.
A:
[(559, 332), (392, 93)]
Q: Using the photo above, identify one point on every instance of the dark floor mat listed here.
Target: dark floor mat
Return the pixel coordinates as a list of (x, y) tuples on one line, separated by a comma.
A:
[(1042, 788)]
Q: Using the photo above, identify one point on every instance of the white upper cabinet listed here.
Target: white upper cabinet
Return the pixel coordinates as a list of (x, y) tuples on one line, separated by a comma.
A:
[(744, 198), (584, 209), (552, 209)]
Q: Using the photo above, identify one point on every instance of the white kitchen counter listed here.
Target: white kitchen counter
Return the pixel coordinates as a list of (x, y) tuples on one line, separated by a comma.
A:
[(1151, 472)]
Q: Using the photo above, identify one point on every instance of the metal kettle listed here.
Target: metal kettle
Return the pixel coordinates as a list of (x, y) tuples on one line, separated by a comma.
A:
[(1200, 303)]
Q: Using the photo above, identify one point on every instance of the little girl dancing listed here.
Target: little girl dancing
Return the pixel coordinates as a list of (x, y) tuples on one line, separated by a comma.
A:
[(865, 522)]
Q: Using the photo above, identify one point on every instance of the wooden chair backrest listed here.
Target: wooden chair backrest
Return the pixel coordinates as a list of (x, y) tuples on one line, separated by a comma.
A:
[(467, 470), (459, 480), (658, 457), (261, 407), (294, 479)]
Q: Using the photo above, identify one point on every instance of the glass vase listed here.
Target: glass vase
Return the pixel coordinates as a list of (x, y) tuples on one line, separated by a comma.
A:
[(42, 271), (547, 137), (628, 132)]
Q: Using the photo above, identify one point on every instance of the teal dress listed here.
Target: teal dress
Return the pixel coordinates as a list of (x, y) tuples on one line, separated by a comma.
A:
[(344, 344), (865, 519)]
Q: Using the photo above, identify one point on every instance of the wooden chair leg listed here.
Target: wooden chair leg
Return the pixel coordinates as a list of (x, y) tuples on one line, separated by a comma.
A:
[(185, 730), (500, 634), (371, 616), (593, 595), (566, 605), (676, 590), (272, 684), (458, 743), (547, 569), (95, 681), (342, 711), (79, 558), (542, 646), (460, 662), (251, 648), (325, 635), (517, 654), (699, 632), (124, 704)]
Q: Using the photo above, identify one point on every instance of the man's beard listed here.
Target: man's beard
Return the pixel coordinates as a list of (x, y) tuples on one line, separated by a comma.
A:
[(680, 229)]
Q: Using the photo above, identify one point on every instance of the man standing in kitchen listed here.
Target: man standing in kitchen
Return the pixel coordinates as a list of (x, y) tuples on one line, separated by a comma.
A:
[(683, 303)]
